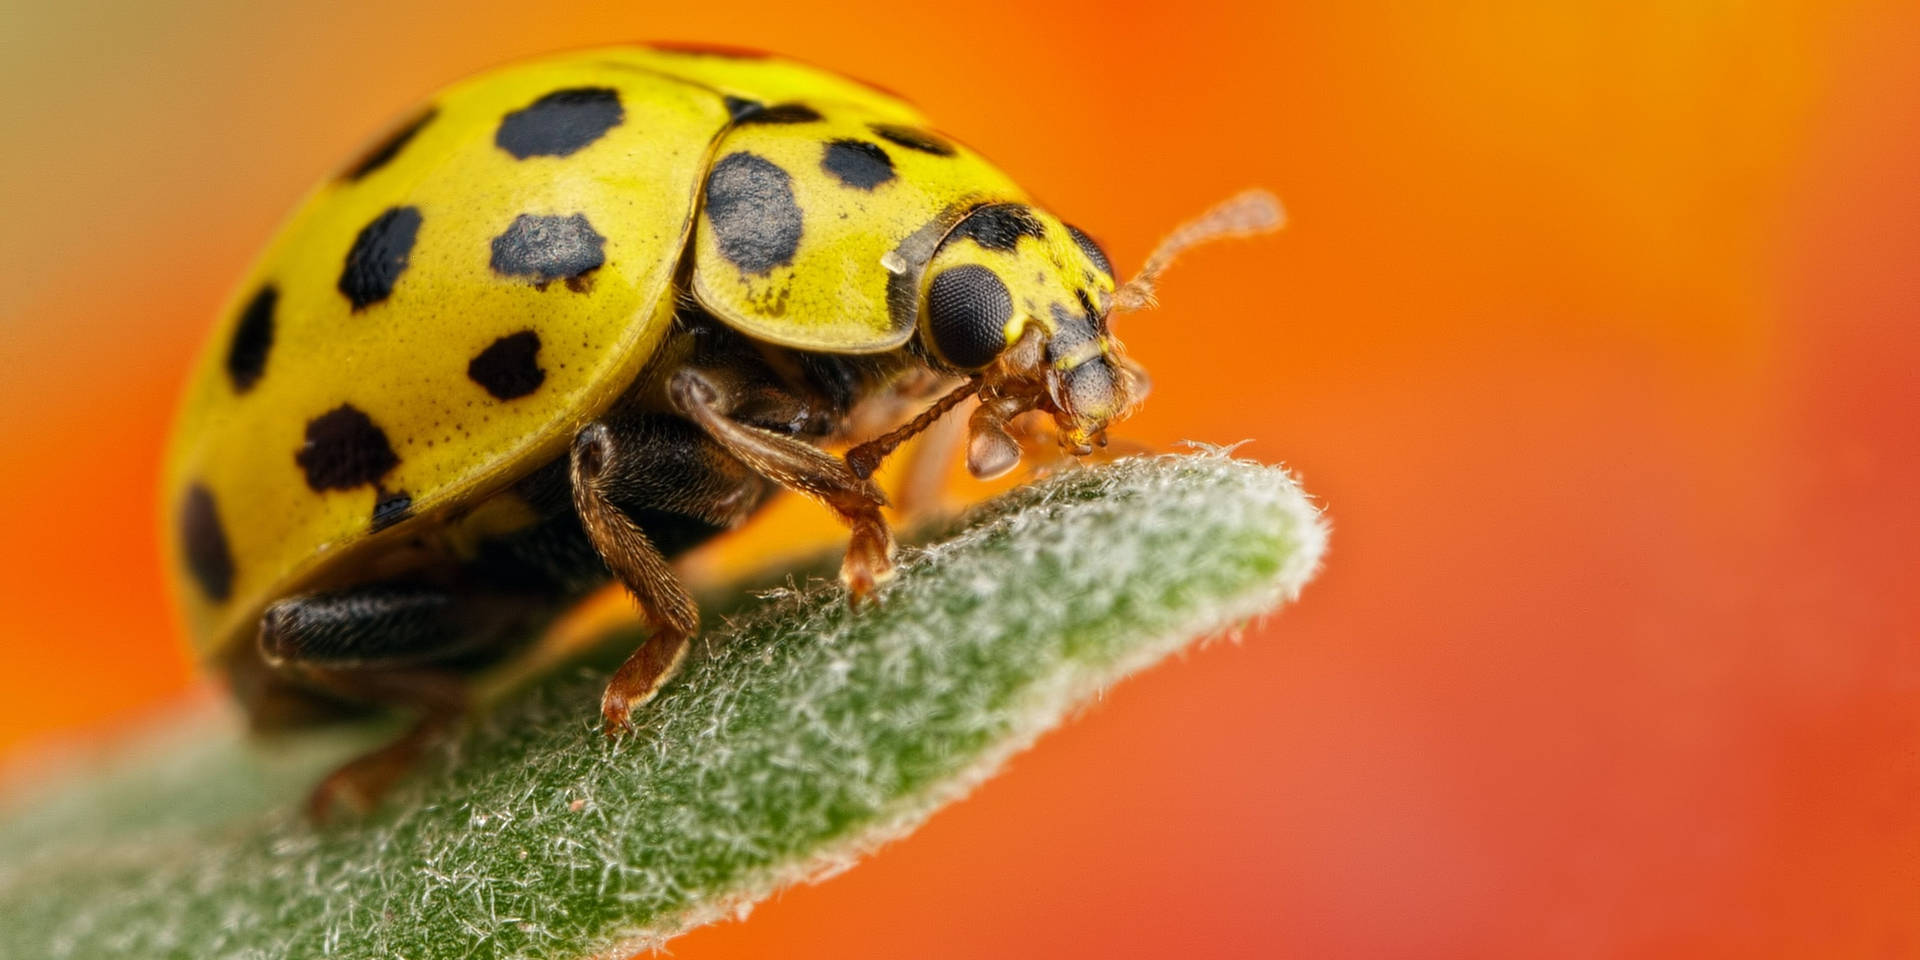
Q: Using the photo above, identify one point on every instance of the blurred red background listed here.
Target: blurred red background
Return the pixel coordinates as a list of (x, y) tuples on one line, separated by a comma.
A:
[(1594, 330)]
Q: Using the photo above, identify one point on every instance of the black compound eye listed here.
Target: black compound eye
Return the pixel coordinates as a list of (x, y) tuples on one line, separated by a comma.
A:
[(1091, 249), (967, 313)]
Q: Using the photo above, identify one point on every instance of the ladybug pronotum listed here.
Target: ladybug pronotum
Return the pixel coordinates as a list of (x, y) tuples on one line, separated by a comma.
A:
[(576, 316)]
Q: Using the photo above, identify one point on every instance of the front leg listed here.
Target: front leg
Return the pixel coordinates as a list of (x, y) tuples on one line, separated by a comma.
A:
[(803, 468)]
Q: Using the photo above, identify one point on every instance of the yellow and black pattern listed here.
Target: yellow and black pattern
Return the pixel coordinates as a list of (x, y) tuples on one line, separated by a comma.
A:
[(437, 319), (819, 218), (1004, 266)]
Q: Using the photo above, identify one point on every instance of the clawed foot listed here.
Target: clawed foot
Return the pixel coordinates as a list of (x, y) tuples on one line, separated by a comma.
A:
[(616, 712), (639, 679), (347, 788), (869, 563), (359, 785)]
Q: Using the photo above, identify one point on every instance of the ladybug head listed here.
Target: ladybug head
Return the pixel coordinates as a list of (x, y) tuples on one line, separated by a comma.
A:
[(1020, 300)]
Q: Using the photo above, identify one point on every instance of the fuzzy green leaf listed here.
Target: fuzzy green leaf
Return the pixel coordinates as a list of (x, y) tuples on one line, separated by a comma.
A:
[(797, 738)]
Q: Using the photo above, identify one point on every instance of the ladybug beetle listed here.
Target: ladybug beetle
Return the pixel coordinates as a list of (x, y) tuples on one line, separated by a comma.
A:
[(578, 315)]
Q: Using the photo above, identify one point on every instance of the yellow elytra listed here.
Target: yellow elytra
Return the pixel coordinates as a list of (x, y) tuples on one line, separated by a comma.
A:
[(442, 316)]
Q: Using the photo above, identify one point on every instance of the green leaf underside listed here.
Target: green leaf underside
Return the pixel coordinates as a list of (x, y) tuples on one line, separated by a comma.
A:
[(797, 737)]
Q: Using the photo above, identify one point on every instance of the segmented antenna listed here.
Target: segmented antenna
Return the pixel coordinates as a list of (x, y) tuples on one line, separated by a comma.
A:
[(865, 458), (1245, 214)]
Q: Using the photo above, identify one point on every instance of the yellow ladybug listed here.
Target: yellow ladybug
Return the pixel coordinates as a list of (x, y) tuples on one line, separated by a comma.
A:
[(576, 316)]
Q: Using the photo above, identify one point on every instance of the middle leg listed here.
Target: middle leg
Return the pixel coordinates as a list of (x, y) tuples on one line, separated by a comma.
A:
[(799, 466), (669, 473), (713, 468)]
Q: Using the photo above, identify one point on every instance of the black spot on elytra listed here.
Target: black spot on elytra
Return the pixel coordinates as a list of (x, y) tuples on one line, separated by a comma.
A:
[(509, 367), (913, 138), (252, 340), (549, 248), (710, 50), (344, 449), (1000, 227), (1091, 249), (383, 152), (857, 163), (379, 255), (560, 123), (391, 508), (967, 312), (755, 219), (203, 544), (779, 113)]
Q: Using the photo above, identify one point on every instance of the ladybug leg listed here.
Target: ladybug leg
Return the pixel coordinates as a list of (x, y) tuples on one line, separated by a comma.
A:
[(799, 466), (377, 644), (360, 783), (377, 626), (595, 464)]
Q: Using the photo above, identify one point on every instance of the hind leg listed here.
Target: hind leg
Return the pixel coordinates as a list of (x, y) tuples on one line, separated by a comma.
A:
[(390, 645)]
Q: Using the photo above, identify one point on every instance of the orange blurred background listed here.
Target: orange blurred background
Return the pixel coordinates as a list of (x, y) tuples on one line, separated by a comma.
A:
[(1594, 330)]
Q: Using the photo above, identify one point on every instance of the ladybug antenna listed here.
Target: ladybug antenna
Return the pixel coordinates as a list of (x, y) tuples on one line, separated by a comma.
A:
[(1245, 214), (865, 458)]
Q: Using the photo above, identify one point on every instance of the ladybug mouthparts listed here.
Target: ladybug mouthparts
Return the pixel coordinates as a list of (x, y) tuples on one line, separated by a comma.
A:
[(1084, 381), (1091, 392)]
